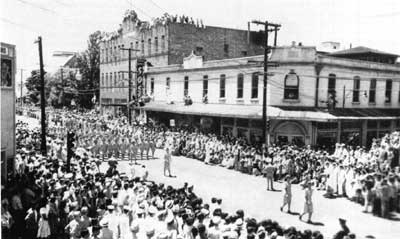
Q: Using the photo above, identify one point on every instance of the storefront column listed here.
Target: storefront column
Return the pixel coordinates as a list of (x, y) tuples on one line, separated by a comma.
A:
[(234, 130), (364, 130), (339, 134)]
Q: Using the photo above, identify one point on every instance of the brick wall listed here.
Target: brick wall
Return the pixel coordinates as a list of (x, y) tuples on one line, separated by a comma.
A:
[(216, 42)]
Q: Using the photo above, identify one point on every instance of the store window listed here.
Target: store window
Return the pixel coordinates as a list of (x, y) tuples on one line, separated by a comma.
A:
[(291, 91), (222, 86), (254, 85), (356, 89), (388, 91), (240, 86)]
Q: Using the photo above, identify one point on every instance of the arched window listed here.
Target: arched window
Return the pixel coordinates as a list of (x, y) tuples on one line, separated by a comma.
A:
[(240, 86), (291, 91)]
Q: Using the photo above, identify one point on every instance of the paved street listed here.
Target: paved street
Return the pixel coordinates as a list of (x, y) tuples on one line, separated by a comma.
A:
[(241, 191)]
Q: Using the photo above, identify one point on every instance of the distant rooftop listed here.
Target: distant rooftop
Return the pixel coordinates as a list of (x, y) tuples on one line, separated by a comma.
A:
[(361, 50), (366, 54)]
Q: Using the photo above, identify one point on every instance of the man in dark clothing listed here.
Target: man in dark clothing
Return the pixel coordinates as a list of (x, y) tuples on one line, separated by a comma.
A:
[(344, 232)]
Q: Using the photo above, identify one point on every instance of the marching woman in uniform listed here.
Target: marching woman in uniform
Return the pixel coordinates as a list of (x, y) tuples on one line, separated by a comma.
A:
[(135, 148), (308, 205), (167, 162), (141, 146), (152, 146), (146, 146), (287, 197)]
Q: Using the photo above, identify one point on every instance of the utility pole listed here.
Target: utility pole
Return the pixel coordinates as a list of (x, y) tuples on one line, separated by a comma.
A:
[(20, 97), (129, 81), (265, 73), (42, 100), (62, 85)]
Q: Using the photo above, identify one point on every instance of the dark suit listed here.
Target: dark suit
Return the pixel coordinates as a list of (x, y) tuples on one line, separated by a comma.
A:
[(31, 222)]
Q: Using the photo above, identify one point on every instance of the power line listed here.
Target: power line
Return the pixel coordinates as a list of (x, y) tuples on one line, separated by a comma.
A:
[(37, 6)]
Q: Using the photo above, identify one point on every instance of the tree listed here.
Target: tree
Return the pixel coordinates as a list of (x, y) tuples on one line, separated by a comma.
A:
[(33, 85), (88, 64)]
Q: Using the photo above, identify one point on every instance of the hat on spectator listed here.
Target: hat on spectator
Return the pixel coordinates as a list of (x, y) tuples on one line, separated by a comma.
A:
[(104, 223), (110, 207), (135, 226)]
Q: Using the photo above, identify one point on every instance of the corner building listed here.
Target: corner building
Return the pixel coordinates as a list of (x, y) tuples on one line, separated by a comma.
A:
[(314, 98)]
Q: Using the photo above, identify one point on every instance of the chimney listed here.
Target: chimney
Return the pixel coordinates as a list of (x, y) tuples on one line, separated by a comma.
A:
[(293, 43)]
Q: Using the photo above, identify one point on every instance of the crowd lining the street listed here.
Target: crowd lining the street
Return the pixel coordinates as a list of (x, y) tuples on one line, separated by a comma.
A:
[(43, 200)]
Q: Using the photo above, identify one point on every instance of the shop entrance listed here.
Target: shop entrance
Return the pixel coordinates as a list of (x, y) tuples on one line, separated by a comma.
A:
[(290, 133)]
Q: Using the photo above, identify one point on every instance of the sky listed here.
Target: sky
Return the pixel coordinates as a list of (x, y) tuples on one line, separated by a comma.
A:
[(66, 24)]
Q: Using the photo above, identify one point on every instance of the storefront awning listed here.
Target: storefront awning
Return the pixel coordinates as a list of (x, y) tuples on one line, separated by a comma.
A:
[(239, 111), (351, 113), (219, 110), (367, 113)]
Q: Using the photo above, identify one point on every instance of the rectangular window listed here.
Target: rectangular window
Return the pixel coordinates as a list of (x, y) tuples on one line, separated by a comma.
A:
[(142, 50), (122, 82), (244, 53), (222, 86), (115, 54), (102, 79), (205, 85), (115, 80), (372, 91), (149, 46), (399, 93), (186, 86), (151, 85), (388, 91), (356, 89), (136, 47), (106, 82), (226, 50), (122, 52), (106, 55), (162, 43), (254, 85), (240, 86), (155, 44), (199, 50)]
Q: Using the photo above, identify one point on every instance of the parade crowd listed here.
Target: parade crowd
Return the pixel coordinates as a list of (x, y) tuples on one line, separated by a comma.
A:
[(49, 198)]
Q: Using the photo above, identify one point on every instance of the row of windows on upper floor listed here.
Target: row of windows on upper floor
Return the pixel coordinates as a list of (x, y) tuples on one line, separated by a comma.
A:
[(115, 53), (290, 88)]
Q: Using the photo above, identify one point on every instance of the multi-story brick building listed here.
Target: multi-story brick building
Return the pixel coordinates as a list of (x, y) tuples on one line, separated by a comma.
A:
[(8, 70), (313, 97), (166, 42)]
